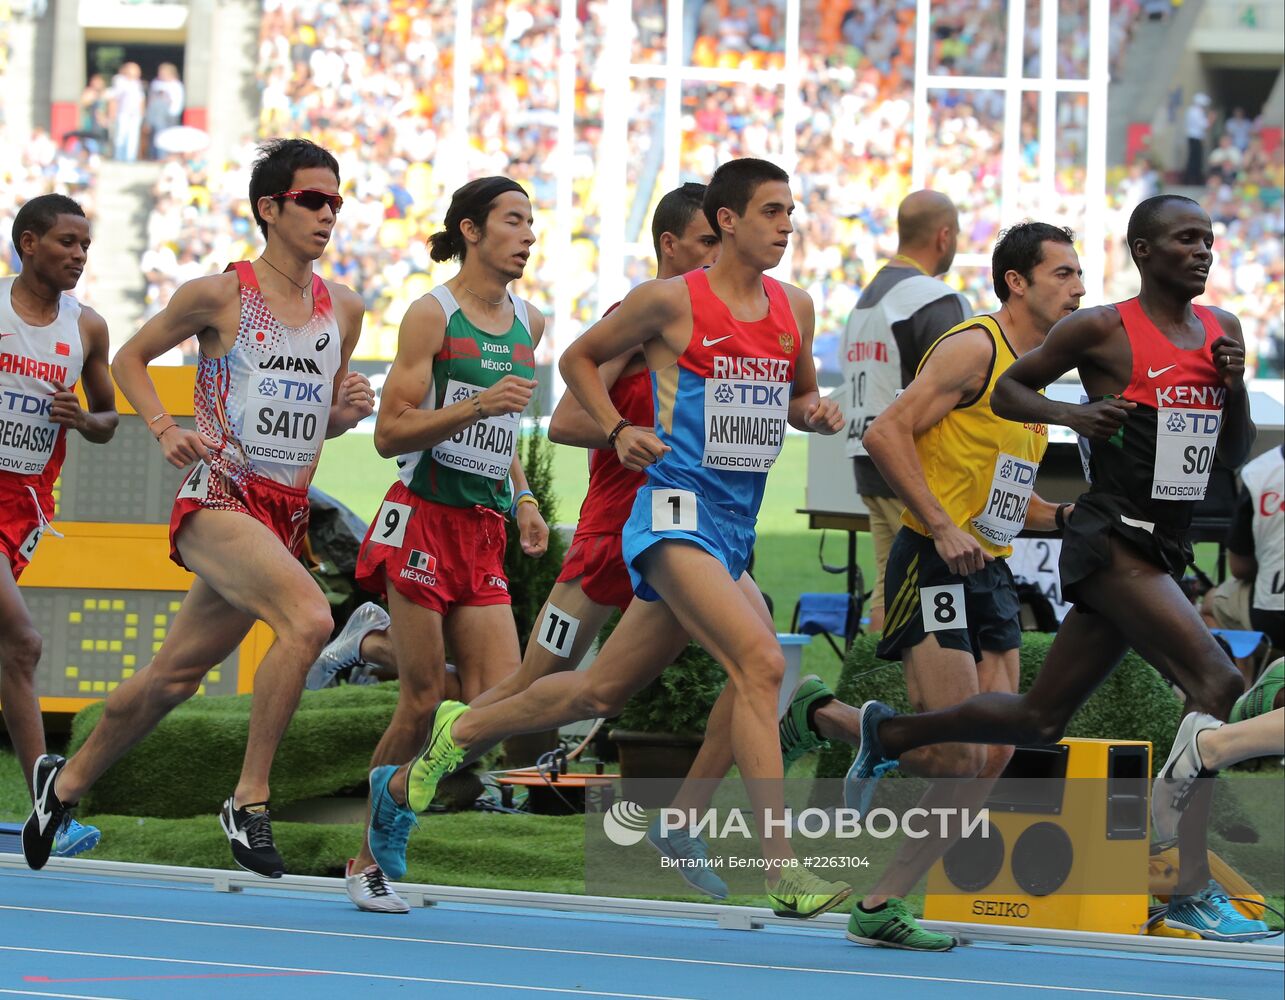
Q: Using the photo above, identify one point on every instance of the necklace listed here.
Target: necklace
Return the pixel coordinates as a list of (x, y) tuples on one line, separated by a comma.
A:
[(483, 297), (303, 289), (912, 262)]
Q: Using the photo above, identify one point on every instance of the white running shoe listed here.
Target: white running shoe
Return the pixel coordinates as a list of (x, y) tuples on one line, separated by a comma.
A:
[(1171, 791), (344, 651), (370, 891)]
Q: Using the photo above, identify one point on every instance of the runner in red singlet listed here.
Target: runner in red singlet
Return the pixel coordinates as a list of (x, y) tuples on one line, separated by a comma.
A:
[(272, 383), (48, 343)]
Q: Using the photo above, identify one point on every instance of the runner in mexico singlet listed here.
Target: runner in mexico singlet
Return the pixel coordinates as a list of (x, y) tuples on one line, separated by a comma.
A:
[(979, 466), (471, 468), (722, 407), (1161, 457), (267, 401), (32, 358)]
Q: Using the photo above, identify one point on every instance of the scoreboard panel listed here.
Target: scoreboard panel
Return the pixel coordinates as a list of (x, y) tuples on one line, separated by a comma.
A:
[(104, 595)]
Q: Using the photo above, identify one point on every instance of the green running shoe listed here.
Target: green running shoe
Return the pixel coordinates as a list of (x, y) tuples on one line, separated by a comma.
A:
[(893, 926), (439, 757), (802, 895), (1258, 699), (797, 737)]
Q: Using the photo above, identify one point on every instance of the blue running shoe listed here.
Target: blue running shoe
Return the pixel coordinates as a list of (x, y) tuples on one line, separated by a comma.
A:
[(692, 857), (390, 825), (74, 838), (870, 764), (1211, 915)]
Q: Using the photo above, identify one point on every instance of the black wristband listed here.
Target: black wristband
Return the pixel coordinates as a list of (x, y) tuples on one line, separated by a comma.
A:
[(611, 438), (1059, 517)]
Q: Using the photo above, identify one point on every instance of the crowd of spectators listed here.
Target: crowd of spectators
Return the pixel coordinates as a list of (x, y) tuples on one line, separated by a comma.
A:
[(37, 165), (375, 83)]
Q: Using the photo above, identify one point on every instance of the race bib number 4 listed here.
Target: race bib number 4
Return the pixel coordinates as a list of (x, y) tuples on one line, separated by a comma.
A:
[(285, 419), (1010, 494), (484, 448), (1185, 444), (744, 424)]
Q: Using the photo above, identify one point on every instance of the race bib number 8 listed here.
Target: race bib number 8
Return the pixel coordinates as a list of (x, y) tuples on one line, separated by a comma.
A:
[(557, 631), (390, 525), (673, 510), (1185, 444), (943, 607)]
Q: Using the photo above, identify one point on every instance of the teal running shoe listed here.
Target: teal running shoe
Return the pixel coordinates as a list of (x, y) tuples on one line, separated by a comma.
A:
[(870, 764), (75, 838), (1210, 914), (390, 825), (691, 857)]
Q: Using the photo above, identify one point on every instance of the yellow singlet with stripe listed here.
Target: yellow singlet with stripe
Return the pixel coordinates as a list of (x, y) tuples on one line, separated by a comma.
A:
[(979, 466)]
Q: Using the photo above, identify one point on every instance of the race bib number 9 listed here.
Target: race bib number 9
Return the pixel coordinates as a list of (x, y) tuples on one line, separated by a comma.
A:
[(390, 524), (1010, 494), (1185, 444), (744, 424), (486, 447)]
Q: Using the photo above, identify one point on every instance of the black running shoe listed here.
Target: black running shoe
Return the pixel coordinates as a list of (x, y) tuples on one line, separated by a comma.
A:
[(48, 814), (249, 831)]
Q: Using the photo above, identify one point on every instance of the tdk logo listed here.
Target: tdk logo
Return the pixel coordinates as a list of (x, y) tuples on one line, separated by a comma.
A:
[(1018, 473), (749, 394), (299, 392), (19, 402)]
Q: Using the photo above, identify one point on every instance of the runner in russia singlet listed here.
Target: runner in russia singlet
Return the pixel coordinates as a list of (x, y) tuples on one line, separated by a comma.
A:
[(723, 406), (32, 358), (1161, 458), (267, 401)]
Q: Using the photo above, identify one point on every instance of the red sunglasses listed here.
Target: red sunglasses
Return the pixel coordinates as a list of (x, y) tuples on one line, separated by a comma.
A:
[(312, 200)]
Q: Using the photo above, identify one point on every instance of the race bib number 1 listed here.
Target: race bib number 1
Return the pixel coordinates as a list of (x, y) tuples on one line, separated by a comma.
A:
[(673, 510), (943, 607), (390, 524)]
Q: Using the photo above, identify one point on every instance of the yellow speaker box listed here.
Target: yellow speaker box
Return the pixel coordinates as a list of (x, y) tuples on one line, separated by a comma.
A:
[(1058, 853)]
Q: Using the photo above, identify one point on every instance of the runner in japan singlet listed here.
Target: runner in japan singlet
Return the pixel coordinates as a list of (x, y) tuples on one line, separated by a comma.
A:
[(267, 401), (32, 358), (722, 407)]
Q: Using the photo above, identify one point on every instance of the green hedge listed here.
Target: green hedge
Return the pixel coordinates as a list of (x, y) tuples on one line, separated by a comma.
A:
[(190, 763), (1134, 703)]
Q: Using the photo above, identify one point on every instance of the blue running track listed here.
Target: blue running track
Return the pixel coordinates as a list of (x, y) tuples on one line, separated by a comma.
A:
[(67, 934)]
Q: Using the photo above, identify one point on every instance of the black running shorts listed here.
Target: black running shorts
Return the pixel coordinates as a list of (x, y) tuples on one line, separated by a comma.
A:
[(1086, 542), (923, 595)]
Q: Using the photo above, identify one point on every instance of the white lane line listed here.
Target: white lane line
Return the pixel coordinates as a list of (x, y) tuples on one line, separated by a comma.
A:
[(69, 996), (1088, 990), (336, 972)]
